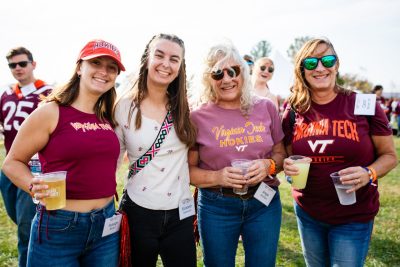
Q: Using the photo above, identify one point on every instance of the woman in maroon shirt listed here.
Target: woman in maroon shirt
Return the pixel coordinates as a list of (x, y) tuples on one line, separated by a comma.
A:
[(73, 132), (320, 123)]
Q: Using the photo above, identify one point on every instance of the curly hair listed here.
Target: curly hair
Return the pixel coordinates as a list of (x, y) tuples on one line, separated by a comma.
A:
[(216, 57)]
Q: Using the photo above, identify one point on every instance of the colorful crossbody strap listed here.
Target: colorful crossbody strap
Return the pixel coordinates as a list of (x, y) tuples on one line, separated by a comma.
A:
[(145, 159)]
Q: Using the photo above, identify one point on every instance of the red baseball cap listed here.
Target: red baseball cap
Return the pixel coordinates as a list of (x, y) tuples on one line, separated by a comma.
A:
[(98, 48)]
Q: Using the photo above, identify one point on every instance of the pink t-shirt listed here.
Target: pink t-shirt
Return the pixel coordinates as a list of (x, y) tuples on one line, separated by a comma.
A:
[(225, 134), (335, 139)]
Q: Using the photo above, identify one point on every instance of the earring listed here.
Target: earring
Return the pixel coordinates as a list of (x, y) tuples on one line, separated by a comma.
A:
[(79, 76)]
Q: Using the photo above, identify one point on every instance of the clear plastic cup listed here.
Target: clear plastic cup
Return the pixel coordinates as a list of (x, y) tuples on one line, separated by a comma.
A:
[(344, 198), (303, 163), (57, 189), (244, 165)]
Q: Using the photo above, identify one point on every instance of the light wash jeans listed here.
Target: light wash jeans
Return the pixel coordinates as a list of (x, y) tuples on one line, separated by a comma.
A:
[(341, 245), (72, 239), (20, 209), (222, 219)]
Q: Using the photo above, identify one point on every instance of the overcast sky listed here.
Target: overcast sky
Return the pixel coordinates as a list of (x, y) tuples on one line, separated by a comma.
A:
[(365, 33)]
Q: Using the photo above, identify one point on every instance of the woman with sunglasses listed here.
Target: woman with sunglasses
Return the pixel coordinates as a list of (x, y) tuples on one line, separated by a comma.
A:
[(73, 132), (323, 124), (234, 124), (262, 73), (157, 196)]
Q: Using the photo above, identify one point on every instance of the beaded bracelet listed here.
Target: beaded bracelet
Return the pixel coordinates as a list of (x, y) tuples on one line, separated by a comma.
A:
[(272, 166), (372, 174)]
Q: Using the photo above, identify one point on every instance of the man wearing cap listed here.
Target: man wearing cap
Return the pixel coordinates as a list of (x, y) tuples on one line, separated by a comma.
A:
[(16, 103)]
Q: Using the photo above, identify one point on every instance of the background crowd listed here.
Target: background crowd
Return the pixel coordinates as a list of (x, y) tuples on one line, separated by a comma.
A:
[(171, 145)]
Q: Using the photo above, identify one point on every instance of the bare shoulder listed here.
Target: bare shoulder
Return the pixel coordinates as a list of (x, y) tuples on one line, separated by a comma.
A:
[(47, 110), (45, 115)]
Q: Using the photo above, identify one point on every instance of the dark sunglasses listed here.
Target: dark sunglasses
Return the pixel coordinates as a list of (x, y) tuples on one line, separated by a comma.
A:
[(22, 64), (311, 63), (232, 71), (270, 68)]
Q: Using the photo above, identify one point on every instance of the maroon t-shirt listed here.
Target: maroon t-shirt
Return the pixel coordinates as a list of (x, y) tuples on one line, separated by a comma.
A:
[(335, 139), (15, 109), (87, 149)]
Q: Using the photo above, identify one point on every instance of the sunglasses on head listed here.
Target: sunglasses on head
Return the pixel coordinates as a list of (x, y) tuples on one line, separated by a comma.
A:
[(232, 71), (22, 64), (311, 63), (270, 68)]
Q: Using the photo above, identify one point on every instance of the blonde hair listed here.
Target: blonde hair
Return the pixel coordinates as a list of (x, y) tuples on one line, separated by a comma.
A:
[(257, 64), (300, 97), (216, 57)]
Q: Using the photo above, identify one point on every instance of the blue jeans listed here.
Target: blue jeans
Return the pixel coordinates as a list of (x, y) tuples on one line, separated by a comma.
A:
[(338, 245), (20, 209), (222, 219), (72, 239)]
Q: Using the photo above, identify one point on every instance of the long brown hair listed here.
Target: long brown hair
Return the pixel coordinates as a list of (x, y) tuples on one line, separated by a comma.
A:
[(67, 94), (176, 92), (300, 98)]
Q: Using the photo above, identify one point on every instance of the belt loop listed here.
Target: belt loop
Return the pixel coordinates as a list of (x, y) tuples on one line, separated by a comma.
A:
[(76, 216)]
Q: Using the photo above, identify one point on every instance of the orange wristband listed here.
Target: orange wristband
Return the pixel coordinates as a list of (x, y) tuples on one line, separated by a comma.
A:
[(272, 166), (373, 173)]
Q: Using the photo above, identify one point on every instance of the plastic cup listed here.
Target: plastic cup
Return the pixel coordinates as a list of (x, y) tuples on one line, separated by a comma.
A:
[(57, 189), (344, 198), (303, 163), (244, 165)]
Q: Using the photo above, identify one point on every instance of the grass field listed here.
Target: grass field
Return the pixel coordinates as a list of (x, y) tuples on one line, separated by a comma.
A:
[(384, 249)]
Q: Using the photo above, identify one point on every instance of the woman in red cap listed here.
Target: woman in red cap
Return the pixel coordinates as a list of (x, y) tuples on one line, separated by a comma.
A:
[(74, 132)]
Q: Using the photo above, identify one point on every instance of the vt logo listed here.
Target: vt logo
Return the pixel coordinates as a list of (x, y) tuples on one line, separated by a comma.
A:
[(240, 148), (321, 143)]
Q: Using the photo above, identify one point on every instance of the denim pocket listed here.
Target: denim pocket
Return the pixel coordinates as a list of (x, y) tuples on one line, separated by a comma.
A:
[(53, 222)]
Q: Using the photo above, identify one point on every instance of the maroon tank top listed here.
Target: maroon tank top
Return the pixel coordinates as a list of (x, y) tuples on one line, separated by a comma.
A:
[(87, 149)]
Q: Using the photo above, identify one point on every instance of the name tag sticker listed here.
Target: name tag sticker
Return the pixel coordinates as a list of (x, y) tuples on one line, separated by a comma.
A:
[(186, 208), (365, 104), (112, 225), (264, 194)]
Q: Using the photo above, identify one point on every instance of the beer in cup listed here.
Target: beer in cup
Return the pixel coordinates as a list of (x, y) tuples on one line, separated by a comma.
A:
[(56, 189)]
